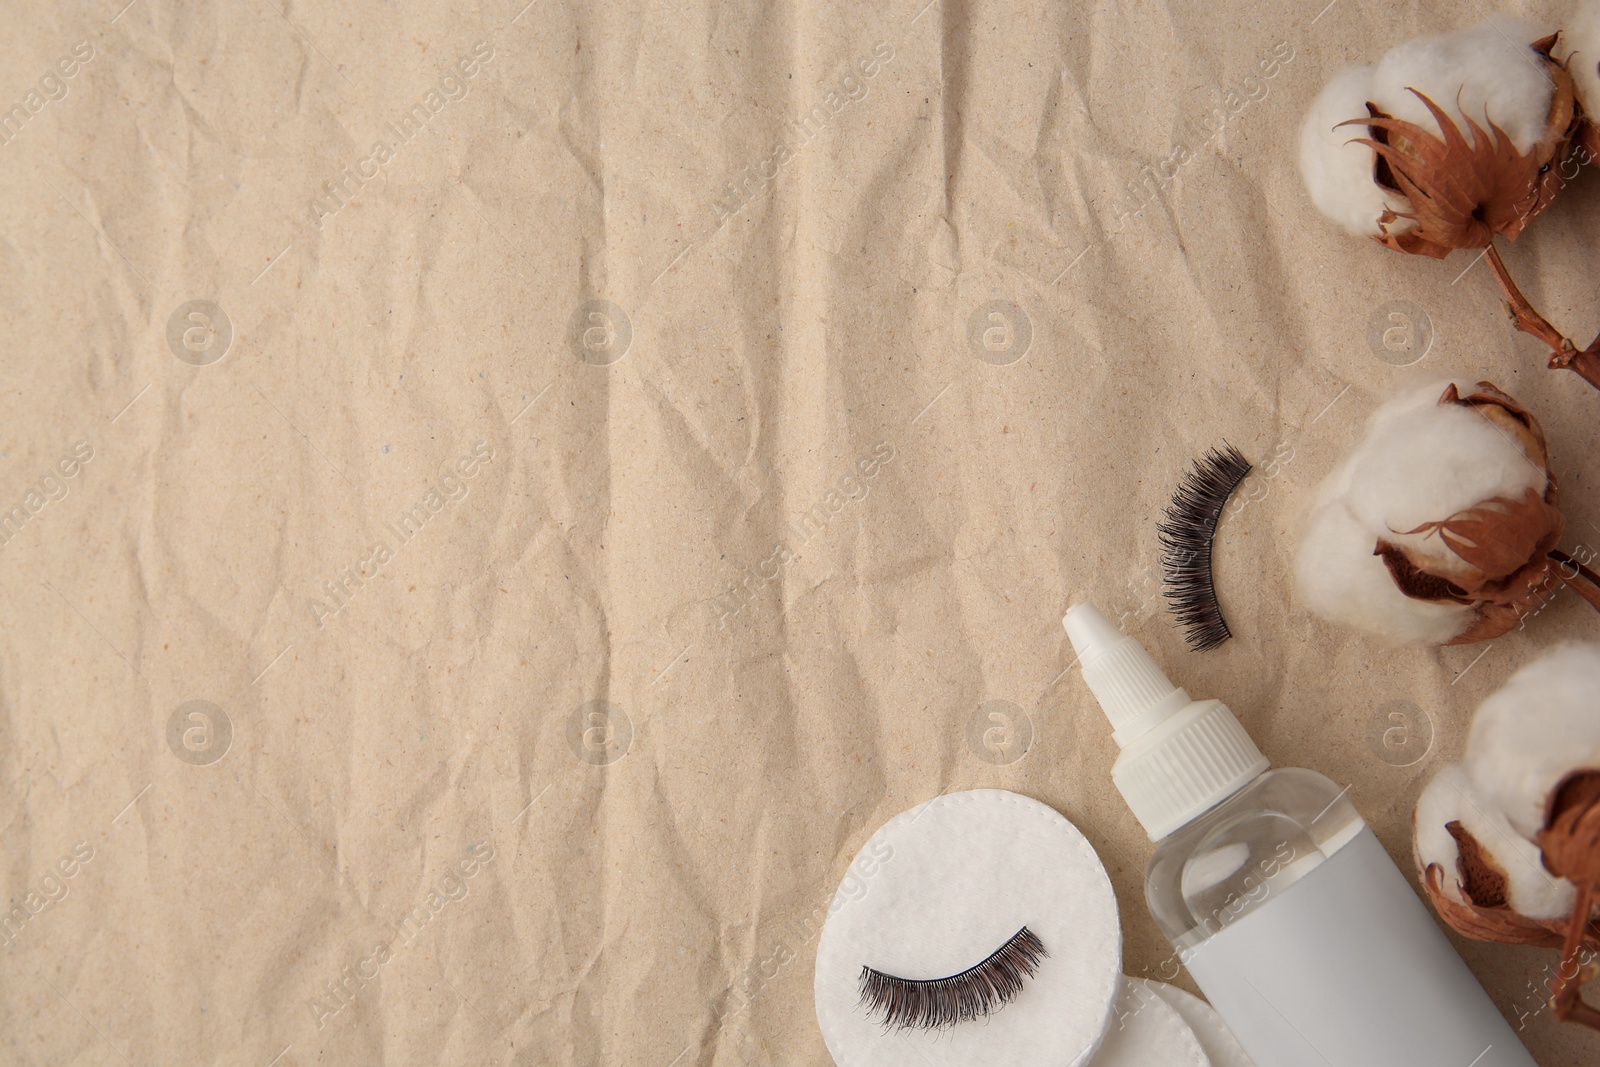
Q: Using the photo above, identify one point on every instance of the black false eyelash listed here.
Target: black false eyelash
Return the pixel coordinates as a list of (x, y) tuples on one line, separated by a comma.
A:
[(1186, 536), (975, 993)]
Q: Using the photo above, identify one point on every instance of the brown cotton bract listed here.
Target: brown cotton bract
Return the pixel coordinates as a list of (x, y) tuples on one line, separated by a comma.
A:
[(1493, 556), (1465, 189), (1569, 845)]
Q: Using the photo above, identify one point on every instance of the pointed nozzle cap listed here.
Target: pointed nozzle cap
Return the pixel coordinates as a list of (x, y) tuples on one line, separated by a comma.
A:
[(1091, 633), (1133, 691), (1180, 757)]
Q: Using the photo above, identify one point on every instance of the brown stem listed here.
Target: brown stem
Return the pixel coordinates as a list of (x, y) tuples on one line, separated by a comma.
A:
[(1582, 580), (1564, 355), (1585, 363), (1528, 319), (1566, 997)]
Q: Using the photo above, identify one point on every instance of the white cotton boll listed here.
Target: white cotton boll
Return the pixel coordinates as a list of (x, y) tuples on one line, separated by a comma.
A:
[(1338, 578), (1544, 724), (1424, 462), (1402, 405), (1452, 797), (1489, 67), (1580, 42), (1338, 173), (1419, 462), (1436, 808), (1336, 486)]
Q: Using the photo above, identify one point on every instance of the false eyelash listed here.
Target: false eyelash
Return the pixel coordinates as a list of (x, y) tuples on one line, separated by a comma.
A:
[(1186, 536), (937, 1003)]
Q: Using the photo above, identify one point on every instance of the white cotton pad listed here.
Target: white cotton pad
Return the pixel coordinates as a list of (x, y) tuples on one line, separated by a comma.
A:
[(1146, 1031), (937, 890), (1221, 1047)]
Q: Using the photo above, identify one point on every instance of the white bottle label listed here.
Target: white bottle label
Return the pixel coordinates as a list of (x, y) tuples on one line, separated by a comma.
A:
[(1349, 969)]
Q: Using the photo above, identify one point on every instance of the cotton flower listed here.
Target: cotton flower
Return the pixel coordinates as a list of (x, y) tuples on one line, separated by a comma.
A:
[(1439, 528), (1453, 139), (1508, 842), (1450, 137)]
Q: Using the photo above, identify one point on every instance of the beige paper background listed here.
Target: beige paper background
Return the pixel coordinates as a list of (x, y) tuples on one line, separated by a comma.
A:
[(661, 909)]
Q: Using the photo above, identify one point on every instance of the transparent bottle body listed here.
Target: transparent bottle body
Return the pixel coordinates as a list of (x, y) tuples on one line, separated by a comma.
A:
[(1346, 968), (1245, 852)]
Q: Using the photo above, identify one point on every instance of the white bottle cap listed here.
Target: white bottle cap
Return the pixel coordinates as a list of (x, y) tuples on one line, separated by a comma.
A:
[(1180, 757)]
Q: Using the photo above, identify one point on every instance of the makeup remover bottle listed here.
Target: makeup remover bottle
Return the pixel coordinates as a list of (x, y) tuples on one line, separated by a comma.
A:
[(1277, 896)]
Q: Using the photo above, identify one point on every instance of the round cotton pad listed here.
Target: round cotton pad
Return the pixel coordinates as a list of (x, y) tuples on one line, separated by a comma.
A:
[(1147, 1031), (936, 891), (1221, 1046)]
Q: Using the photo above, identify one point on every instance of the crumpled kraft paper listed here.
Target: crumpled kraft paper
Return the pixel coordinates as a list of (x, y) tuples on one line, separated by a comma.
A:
[(505, 498)]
